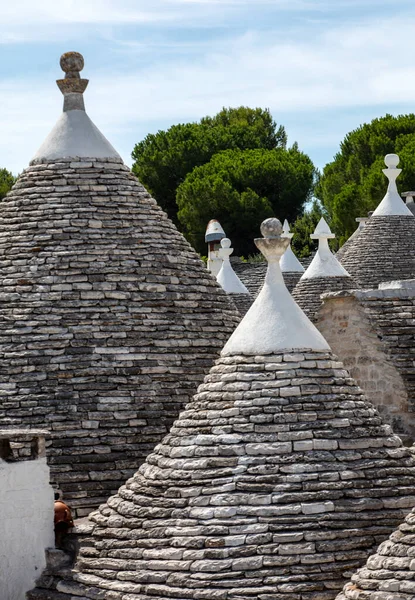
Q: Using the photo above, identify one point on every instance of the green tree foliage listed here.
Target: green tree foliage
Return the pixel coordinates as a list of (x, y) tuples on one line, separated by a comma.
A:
[(241, 188), (353, 183), (163, 160), (6, 182)]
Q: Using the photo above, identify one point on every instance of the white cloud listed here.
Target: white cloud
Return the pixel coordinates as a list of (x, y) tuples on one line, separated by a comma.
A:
[(342, 69)]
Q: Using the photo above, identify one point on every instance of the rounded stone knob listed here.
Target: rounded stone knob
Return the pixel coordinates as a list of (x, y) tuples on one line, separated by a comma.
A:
[(271, 228), (72, 62), (225, 243), (391, 161)]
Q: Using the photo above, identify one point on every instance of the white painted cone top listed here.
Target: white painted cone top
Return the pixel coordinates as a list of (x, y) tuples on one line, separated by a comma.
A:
[(227, 277), (392, 203), (322, 231), (214, 231), (74, 134), (289, 263), (324, 263), (274, 323)]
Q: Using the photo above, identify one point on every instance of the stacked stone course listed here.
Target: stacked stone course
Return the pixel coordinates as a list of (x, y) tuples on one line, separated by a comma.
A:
[(307, 293), (390, 573), (373, 332), (275, 481), (383, 251), (108, 320)]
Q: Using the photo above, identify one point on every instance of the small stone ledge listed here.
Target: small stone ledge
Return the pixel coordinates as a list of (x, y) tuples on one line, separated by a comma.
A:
[(22, 444), (403, 292), (78, 159)]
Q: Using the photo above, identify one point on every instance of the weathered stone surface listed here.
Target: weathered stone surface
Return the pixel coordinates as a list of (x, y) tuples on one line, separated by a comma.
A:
[(253, 275), (270, 520), (373, 332), (307, 293), (389, 574), (108, 321), (384, 250)]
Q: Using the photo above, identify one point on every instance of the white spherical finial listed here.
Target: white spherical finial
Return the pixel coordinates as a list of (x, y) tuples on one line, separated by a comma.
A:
[(391, 161), (225, 243), (271, 228)]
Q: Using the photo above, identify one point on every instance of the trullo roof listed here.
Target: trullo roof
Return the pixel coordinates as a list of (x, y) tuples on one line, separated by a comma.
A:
[(385, 249), (108, 319), (276, 480)]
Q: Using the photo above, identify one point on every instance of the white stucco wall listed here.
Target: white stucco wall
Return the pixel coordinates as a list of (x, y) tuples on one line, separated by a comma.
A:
[(26, 525)]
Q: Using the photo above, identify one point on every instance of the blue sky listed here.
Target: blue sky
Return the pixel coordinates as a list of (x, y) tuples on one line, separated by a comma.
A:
[(322, 67)]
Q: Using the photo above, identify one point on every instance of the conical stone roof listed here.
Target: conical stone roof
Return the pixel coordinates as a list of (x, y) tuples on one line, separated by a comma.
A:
[(276, 480), (341, 251), (385, 249), (108, 319), (389, 574), (324, 274)]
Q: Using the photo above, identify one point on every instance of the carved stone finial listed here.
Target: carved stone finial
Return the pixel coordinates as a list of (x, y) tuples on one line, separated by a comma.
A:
[(392, 203), (72, 86), (271, 228), (391, 161), (286, 230), (71, 64), (322, 231), (273, 244)]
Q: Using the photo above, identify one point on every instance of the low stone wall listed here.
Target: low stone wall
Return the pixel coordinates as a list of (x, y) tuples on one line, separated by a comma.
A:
[(26, 511)]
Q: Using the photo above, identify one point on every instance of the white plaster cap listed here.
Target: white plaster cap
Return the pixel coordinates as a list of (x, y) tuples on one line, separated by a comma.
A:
[(227, 277), (274, 323), (214, 231), (289, 263), (324, 263), (322, 231), (74, 135), (392, 203)]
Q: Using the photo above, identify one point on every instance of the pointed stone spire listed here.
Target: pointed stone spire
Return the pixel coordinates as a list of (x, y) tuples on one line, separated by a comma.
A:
[(274, 323), (324, 264), (74, 135), (227, 277), (289, 263), (392, 203)]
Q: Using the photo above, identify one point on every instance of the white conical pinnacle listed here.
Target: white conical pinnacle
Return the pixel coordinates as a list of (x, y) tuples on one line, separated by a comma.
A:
[(227, 277), (274, 322), (324, 264), (392, 203), (289, 263)]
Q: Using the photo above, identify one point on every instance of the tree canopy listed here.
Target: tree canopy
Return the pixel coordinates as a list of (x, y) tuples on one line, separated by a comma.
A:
[(164, 159), (241, 188), (6, 182), (353, 183)]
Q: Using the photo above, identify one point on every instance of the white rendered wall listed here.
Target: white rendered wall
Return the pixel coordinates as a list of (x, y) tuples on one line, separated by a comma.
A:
[(26, 525)]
